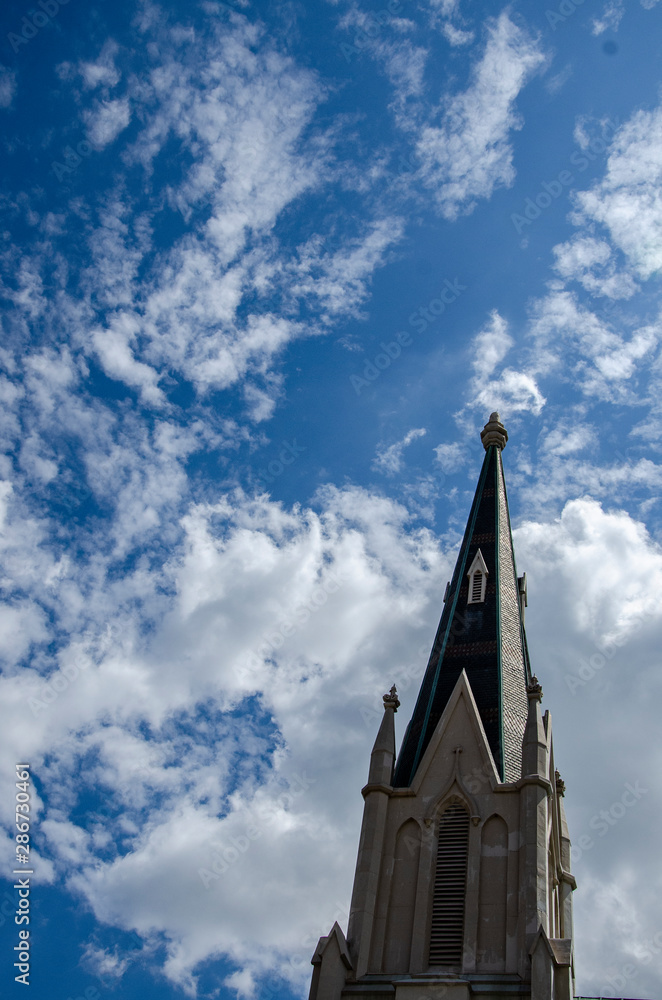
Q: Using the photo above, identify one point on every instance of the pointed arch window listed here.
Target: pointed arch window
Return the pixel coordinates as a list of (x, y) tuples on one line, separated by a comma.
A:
[(450, 883), (477, 580)]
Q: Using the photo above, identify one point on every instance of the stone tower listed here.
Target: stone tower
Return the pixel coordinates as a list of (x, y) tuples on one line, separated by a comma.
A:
[(463, 885)]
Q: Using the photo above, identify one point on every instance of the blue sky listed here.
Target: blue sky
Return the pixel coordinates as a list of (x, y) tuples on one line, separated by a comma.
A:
[(266, 270)]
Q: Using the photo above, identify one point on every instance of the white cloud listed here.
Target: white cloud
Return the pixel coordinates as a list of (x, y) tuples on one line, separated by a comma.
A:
[(591, 262), (511, 391), (338, 277), (243, 983), (328, 590), (103, 72), (106, 121), (218, 306), (383, 39), (222, 303), (445, 7), (67, 840), (491, 345), (621, 363), (261, 403), (568, 437), (627, 200), (582, 252), (564, 473), (603, 361), (469, 155), (451, 457), (114, 351), (405, 67), (610, 18), (554, 83), (591, 132), (104, 964), (607, 603), (594, 570), (389, 459), (446, 15), (456, 36), (343, 602), (35, 462), (7, 87), (21, 625)]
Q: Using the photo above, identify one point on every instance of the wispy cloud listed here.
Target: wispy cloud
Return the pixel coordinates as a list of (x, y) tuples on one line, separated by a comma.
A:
[(601, 358), (7, 87), (219, 305), (103, 72), (390, 458), (166, 784), (627, 200), (469, 154), (509, 391), (448, 17), (591, 262), (106, 121), (491, 345), (610, 18)]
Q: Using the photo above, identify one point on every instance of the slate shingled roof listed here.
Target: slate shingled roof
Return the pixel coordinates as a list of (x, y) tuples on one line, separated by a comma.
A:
[(485, 639)]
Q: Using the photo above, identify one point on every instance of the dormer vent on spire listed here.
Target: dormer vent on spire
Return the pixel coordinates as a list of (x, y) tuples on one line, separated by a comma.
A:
[(477, 580)]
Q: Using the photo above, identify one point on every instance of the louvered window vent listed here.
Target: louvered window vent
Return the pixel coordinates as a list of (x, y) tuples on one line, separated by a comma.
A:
[(447, 933), (477, 574)]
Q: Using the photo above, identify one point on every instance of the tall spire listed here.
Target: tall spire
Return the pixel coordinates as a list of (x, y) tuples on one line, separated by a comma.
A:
[(463, 884), (481, 630)]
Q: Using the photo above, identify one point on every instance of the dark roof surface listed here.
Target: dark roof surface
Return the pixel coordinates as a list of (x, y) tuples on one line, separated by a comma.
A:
[(486, 639)]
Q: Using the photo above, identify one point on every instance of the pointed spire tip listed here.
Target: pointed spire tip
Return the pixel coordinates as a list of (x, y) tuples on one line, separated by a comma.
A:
[(494, 433), (391, 699)]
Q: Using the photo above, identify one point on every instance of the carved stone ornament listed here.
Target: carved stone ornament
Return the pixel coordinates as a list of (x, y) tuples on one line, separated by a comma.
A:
[(534, 689), (560, 784), (391, 699), (494, 433)]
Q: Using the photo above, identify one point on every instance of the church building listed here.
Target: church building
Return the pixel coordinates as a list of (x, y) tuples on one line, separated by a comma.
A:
[(463, 885)]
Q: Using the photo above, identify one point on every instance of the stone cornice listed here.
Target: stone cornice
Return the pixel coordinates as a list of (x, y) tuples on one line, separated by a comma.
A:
[(376, 787), (532, 779), (569, 878)]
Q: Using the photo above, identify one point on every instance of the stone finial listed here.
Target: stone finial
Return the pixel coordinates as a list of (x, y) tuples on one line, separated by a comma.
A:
[(391, 699), (560, 783), (494, 433), (534, 689)]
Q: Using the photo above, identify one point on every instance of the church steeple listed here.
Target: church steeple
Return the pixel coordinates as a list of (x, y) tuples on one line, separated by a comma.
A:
[(463, 883), (481, 630)]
